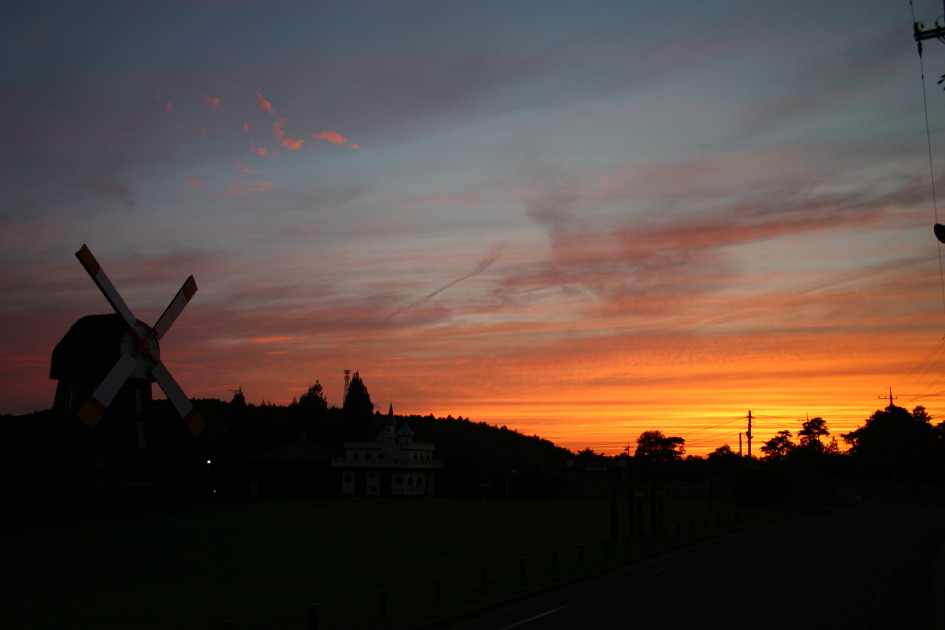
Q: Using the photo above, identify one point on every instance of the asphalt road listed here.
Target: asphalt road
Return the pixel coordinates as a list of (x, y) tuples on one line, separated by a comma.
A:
[(869, 566)]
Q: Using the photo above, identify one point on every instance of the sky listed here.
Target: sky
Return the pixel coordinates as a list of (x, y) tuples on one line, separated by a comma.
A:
[(581, 220)]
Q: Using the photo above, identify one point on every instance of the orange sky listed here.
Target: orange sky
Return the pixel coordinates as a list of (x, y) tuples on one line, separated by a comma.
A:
[(580, 224)]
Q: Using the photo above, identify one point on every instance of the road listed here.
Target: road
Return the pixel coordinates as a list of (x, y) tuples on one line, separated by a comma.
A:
[(869, 566)]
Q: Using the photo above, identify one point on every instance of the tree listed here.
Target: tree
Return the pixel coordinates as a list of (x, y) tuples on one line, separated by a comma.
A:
[(358, 410), (358, 400), (779, 447), (811, 433), (313, 401), (897, 444), (656, 447)]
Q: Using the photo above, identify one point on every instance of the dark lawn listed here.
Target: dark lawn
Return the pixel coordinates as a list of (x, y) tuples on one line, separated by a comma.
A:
[(262, 564)]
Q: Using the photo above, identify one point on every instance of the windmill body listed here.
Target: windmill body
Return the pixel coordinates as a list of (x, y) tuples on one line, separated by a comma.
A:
[(111, 360)]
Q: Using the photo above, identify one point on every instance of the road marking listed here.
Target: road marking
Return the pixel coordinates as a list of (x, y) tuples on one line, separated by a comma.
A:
[(531, 619)]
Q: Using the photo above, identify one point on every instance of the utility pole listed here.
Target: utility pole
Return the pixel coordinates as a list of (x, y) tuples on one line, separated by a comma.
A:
[(920, 33), (740, 443), (748, 434), (890, 397)]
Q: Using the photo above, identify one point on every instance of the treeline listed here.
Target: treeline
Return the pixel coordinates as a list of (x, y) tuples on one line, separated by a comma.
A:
[(256, 451)]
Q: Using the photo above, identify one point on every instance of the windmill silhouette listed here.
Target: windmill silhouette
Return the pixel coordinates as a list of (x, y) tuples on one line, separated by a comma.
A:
[(116, 357)]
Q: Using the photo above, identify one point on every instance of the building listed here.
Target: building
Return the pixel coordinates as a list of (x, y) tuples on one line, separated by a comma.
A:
[(393, 465)]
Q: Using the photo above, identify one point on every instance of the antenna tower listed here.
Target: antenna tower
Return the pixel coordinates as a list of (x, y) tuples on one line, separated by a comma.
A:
[(890, 397)]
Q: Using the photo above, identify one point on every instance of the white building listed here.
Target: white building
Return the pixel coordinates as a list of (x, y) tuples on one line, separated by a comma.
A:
[(393, 465)]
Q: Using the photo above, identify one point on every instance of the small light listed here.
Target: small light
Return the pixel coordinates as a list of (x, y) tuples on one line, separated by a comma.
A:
[(208, 462)]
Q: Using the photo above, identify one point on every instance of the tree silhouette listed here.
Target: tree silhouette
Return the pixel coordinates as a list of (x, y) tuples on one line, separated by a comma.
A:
[(655, 447), (811, 433), (358, 410), (897, 444), (313, 401), (779, 447)]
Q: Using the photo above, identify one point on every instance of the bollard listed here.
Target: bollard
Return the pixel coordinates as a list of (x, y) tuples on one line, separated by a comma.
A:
[(382, 604), (313, 617), (437, 590), (483, 581)]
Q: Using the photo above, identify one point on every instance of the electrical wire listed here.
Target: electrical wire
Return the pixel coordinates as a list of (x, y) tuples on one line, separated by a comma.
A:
[(928, 138)]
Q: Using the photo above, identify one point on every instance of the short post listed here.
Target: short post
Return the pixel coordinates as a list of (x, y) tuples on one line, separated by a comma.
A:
[(313, 617)]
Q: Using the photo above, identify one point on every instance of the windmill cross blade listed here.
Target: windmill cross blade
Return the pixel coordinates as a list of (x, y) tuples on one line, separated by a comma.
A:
[(106, 391), (105, 285), (178, 398), (175, 307)]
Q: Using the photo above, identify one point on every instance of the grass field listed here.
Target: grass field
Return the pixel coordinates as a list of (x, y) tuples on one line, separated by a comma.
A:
[(261, 565)]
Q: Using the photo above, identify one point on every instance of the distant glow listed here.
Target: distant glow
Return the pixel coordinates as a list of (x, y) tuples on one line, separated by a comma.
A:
[(581, 224)]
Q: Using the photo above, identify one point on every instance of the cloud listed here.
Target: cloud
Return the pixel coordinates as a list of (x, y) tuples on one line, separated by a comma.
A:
[(266, 105), (191, 181), (260, 151), (212, 100), (248, 189), (286, 142), (331, 136), (494, 254), (355, 146), (245, 126), (169, 107)]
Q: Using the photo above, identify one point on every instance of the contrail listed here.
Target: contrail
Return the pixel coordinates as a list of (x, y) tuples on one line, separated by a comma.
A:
[(494, 254)]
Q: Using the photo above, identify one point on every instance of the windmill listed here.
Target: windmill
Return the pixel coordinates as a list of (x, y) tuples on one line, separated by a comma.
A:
[(104, 357)]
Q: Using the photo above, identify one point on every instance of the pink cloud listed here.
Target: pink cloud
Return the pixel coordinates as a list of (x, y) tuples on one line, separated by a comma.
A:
[(355, 145), (212, 100), (191, 181), (246, 126), (266, 105), (331, 136), (248, 189), (259, 150), (169, 107), (286, 142)]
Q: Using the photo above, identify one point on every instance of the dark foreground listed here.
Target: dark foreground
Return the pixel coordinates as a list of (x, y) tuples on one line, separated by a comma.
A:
[(869, 566)]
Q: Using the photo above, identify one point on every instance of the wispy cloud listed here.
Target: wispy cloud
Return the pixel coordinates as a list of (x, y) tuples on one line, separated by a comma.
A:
[(286, 142), (266, 105), (494, 254), (212, 100), (331, 136), (260, 151), (191, 180)]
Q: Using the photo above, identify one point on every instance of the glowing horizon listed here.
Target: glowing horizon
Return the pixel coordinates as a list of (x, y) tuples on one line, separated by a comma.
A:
[(578, 221)]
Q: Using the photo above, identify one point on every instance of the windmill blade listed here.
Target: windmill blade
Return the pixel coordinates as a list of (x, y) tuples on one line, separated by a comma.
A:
[(106, 391), (105, 285), (175, 307), (178, 398)]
